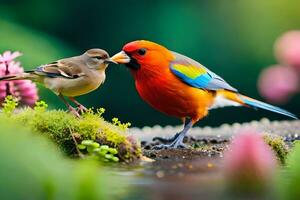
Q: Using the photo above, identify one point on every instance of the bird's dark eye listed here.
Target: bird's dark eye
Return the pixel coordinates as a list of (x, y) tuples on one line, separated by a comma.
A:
[(142, 51), (98, 57)]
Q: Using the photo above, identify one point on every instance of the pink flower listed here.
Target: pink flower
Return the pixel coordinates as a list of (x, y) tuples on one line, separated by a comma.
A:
[(277, 83), (7, 56), (287, 49), (249, 163), (24, 90)]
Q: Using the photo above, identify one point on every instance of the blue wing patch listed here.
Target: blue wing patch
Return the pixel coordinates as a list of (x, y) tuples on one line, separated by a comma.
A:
[(196, 75), (201, 81)]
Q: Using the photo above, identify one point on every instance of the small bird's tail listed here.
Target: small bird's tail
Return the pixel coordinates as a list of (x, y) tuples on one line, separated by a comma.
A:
[(21, 76), (236, 99)]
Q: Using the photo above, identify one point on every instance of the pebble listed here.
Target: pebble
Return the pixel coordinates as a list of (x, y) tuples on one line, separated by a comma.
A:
[(210, 165), (291, 129), (160, 174), (180, 165)]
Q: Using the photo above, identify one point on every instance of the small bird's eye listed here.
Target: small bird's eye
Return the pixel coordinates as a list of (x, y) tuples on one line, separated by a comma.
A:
[(97, 57), (142, 51)]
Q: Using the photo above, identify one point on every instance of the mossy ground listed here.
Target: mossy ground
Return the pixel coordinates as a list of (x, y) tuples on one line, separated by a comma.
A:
[(279, 147), (67, 130)]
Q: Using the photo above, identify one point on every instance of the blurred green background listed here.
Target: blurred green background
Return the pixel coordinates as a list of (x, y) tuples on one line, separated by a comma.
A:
[(233, 38)]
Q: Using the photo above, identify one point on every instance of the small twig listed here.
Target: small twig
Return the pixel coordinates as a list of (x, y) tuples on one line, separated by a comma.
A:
[(76, 144), (7, 84)]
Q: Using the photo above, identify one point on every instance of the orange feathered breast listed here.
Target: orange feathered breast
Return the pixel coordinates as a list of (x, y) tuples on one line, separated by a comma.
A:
[(166, 93)]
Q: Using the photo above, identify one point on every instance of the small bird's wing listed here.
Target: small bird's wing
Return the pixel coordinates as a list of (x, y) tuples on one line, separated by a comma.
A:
[(196, 75), (66, 68)]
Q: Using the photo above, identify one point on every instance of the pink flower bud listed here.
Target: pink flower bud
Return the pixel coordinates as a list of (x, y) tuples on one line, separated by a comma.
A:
[(287, 49), (249, 163), (277, 83), (24, 90)]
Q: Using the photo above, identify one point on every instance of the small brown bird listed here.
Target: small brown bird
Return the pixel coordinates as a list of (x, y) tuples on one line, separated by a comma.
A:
[(70, 77)]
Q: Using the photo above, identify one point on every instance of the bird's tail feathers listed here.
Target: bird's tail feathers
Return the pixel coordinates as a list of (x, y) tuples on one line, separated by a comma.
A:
[(229, 98), (262, 105), (21, 76)]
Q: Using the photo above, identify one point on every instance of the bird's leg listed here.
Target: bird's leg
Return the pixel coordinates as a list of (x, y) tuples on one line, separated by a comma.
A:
[(80, 107), (71, 109), (178, 142), (166, 140), (169, 140)]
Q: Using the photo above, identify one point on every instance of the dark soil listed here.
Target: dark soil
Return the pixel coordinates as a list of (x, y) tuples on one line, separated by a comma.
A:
[(210, 144)]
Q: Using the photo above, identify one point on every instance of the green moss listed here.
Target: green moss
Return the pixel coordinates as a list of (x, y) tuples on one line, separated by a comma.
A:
[(9, 105), (278, 145), (202, 147), (66, 130)]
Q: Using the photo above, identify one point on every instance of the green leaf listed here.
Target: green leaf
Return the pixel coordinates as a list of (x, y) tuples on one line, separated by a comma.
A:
[(108, 156), (90, 149), (87, 142), (95, 145), (81, 147), (104, 147), (103, 152), (115, 159), (96, 150), (113, 151)]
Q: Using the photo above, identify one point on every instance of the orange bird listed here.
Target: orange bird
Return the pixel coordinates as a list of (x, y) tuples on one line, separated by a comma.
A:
[(180, 86)]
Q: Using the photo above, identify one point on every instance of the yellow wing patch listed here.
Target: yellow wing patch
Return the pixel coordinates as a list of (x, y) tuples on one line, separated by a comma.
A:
[(189, 70)]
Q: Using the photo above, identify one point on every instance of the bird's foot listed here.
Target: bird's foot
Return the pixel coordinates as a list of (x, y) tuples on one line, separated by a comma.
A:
[(177, 140), (81, 109), (166, 140), (177, 144), (73, 111)]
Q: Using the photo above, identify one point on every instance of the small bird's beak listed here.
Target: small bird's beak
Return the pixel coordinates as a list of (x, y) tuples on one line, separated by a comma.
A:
[(121, 58), (109, 60)]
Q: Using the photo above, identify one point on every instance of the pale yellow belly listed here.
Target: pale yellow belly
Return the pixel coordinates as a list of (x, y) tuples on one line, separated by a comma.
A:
[(72, 87)]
